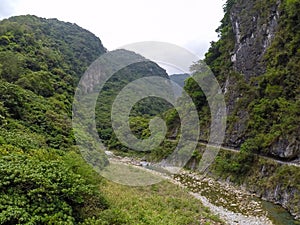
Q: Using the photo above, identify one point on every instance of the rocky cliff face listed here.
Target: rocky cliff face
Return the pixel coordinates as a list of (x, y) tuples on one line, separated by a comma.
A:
[(254, 27), (276, 186), (253, 34)]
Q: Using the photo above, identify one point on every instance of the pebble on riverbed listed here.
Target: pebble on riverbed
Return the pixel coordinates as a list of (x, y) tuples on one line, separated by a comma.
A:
[(230, 203)]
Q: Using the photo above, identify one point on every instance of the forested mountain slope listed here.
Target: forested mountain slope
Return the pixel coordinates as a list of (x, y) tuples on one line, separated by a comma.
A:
[(43, 178), (40, 63)]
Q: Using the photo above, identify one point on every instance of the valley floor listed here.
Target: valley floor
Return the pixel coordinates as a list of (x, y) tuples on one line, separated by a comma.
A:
[(163, 203), (241, 206)]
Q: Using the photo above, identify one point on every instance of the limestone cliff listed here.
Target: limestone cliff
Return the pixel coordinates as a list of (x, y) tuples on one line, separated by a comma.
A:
[(257, 62)]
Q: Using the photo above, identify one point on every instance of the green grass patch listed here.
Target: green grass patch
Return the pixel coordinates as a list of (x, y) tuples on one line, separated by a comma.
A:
[(163, 203)]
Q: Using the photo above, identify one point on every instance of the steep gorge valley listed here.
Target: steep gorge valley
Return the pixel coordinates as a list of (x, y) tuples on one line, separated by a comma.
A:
[(43, 176)]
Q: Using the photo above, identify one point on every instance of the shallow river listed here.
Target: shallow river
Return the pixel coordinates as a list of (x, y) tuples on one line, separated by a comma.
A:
[(234, 205)]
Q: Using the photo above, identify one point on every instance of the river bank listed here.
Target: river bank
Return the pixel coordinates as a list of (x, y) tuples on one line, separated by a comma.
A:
[(234, 206)]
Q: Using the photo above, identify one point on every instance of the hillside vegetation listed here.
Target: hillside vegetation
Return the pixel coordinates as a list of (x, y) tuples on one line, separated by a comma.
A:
[(43, 178)]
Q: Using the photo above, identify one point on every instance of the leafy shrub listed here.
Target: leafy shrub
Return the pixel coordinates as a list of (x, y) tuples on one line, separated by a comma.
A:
[(42, 189)]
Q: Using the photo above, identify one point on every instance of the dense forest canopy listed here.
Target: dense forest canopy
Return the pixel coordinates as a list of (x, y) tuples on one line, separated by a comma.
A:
[(40, 63)]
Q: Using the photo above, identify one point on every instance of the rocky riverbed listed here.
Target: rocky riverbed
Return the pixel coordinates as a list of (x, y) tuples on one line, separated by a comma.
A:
[(234, 205)]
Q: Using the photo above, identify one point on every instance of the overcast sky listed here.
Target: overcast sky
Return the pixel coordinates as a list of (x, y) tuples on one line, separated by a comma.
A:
[(191, 24), (188, 23)]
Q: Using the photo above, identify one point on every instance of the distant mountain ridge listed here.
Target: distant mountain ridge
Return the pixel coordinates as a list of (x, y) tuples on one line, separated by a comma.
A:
[(179, 78)]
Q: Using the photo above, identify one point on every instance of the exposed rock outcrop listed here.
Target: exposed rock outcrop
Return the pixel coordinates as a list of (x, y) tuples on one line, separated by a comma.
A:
[(254, 33), (255, 25)]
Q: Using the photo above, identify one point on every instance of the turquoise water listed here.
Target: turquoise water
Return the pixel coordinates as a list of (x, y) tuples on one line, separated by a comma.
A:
[(279, 215)]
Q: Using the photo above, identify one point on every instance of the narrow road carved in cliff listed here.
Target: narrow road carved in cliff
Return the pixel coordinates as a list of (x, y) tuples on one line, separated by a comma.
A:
[(264, 157), (261, 156)]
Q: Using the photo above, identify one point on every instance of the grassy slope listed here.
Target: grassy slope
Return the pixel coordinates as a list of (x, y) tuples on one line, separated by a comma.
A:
[(163, 203)]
